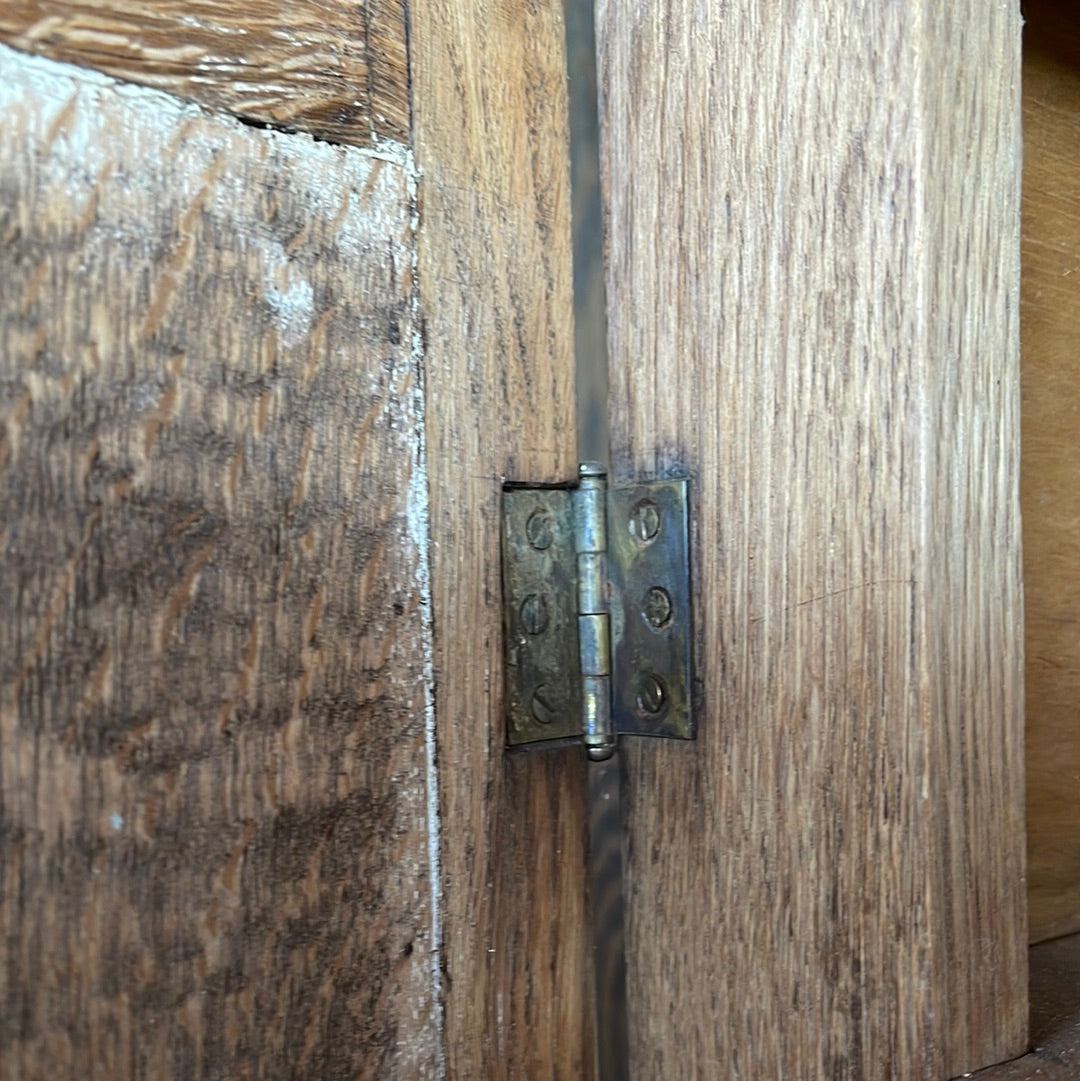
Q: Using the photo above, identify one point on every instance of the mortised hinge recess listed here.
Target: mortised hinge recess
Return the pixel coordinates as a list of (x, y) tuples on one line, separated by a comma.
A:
[(596, 601)]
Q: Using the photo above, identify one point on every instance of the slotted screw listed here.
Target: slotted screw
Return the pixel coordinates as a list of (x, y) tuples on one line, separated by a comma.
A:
[(645, 521), (651, 695), (542, 707), (657, 608), (539, 530), (534, 614)]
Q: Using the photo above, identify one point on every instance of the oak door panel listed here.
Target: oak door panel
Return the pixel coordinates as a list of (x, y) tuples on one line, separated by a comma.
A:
[(813, 283)]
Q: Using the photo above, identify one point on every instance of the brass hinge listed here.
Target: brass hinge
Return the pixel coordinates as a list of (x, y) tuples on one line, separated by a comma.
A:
[(596, 602)]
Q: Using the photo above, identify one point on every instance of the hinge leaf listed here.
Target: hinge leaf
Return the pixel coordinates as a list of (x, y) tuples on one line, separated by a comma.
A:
[(649, 575), (543, 684)]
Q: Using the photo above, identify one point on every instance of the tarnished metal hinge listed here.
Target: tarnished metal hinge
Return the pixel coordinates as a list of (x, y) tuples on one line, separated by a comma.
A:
[(596, 602)]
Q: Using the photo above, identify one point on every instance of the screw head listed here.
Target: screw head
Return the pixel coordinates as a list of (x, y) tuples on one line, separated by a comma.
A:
[(543, 706), (657, 608), (539, 530), (645, 521), (534, 614), (651, 695)]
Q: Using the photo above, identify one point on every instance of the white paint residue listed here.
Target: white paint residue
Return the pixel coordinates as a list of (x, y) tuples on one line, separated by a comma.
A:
[(352, 186), (419, 527), (418, 524), (392, 151), (49, 86), (116, 821), (289, 295)]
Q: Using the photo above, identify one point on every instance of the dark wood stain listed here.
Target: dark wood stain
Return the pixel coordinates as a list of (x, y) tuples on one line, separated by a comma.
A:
[(1050, 330)]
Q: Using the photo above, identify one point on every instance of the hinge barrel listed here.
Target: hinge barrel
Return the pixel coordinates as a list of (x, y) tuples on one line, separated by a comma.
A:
[(594, 622)]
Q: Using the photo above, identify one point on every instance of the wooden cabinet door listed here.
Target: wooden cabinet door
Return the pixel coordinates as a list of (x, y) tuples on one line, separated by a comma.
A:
[(284, 299), (814, 277)]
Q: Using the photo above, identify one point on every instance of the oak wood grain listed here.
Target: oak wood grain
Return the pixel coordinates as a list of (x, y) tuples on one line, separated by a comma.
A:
[(813, 226), (494, 267), (337, 70), (1050, 346), (213, 780)]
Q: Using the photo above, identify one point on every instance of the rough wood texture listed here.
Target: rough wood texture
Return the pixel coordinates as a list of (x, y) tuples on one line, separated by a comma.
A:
[(214, 851), (1050, 345), (337, 70), (813, 301), (494, 266)]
